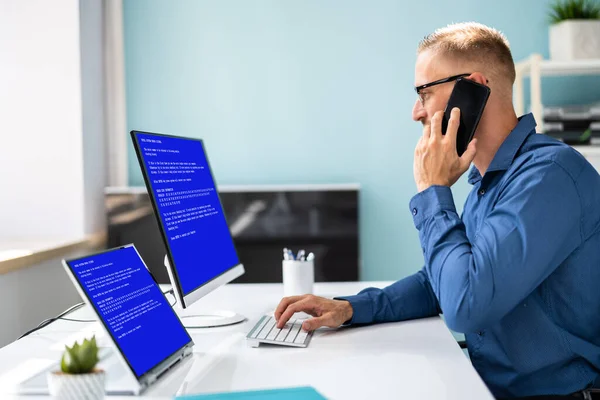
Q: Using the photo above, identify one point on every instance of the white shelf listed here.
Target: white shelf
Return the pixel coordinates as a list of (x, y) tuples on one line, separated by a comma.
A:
[(536, 67), (556, 68), (309, 187)]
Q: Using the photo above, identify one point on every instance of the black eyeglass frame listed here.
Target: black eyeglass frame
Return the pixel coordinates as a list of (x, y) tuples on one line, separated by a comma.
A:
[(439, 81)]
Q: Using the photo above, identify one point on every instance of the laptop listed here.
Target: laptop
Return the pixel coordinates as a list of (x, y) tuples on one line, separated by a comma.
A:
[(148, 337)]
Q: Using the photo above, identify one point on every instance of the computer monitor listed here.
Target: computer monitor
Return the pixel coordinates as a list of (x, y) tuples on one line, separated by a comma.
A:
[(201, 254)]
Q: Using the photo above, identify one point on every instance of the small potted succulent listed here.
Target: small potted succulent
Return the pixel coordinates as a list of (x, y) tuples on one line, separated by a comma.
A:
[(574, 30), (78, 379)]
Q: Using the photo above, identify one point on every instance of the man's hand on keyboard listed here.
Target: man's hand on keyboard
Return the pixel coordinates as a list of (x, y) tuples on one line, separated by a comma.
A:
[(326, 312)]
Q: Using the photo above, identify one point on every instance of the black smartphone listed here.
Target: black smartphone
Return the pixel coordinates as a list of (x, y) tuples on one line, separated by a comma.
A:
[(470, 97)]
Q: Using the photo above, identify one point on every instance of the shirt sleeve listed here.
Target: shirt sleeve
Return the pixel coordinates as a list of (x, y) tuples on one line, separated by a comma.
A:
[(533, 227), (408, 298)]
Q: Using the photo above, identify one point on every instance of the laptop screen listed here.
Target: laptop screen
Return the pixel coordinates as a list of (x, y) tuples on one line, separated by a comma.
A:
[(131, 306)]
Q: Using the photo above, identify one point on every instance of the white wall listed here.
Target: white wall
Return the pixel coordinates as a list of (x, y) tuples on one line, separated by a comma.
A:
[(52, 146), (30, 295), (40, 119), (52, 150)]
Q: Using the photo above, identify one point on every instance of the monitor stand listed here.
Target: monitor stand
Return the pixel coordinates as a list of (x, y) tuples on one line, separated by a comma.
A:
[(214, 319)]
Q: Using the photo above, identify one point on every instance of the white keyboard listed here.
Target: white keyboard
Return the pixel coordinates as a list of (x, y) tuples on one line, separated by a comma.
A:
[(266, 331)]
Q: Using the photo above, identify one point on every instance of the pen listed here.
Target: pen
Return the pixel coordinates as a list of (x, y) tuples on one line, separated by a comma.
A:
[(291, 255), (300, 255), (310, 257), (286, 254)]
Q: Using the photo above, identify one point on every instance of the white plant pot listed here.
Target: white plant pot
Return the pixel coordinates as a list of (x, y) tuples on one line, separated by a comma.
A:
[(76, 387), (575, 40)]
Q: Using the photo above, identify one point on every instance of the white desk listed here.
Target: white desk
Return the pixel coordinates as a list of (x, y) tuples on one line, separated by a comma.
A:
[(409, 360)]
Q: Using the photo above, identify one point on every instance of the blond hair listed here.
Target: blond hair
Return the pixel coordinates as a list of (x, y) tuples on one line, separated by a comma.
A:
[(475, 43)]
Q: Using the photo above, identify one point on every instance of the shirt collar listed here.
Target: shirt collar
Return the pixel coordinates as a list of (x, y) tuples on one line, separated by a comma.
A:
[(509, 148)]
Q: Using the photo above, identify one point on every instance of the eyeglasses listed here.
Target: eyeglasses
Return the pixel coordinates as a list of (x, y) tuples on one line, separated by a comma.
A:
[(438, 82)]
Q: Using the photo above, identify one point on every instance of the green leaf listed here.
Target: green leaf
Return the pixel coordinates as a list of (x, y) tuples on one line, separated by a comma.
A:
[(88, 356), (70, 362), (562, 10), (64, 363), (80, 359), (585, 135)]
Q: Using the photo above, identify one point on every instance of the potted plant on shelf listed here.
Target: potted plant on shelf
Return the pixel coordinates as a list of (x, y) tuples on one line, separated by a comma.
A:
[(78, 379), (574, 30)]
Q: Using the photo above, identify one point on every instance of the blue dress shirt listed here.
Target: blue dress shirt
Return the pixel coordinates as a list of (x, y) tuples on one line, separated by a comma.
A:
[(518, 273)]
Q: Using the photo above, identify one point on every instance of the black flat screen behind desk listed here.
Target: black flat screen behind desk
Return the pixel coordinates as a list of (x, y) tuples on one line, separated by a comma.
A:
[(262, 223)]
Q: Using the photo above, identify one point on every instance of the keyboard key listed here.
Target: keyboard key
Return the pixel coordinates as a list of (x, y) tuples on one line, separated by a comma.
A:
[(284, 332), (293, 333), (273, 334), (301, 336), (267, 329), (259, 327)]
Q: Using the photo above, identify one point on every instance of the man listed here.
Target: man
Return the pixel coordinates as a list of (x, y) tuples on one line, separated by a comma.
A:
[(519, 272)]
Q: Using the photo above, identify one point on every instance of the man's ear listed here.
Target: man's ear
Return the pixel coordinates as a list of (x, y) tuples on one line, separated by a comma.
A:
[(479, 78)]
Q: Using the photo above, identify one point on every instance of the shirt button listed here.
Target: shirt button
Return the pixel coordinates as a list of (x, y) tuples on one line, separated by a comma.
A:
[(480, 333), (481, 192), (415, 211)]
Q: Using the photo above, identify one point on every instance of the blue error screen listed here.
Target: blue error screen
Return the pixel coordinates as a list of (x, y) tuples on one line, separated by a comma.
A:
[(188, 205), (131, 306)]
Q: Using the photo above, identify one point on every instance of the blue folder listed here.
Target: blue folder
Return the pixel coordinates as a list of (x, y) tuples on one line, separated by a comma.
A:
[(296, 393)]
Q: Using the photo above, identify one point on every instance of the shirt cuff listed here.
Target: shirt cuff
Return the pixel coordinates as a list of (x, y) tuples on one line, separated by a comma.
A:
[(430, 201), (362, 309)]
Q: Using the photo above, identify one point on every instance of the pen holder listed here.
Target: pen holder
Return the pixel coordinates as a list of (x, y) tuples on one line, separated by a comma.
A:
[(298, 277)]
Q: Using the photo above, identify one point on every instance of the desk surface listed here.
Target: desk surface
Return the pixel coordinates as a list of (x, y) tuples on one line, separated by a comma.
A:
[(410, 360)]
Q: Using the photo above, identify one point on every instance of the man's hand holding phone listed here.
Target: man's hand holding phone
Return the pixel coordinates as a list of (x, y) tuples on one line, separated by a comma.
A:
[(436, 160)]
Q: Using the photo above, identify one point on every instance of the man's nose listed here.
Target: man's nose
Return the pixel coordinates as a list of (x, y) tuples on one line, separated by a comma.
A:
[(418, 112)]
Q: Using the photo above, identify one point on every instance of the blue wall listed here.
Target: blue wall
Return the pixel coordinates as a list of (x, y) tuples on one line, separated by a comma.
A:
[(310, 91)]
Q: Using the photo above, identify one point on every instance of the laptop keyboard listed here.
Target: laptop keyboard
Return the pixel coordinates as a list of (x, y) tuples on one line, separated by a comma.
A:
[(266, 331)]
